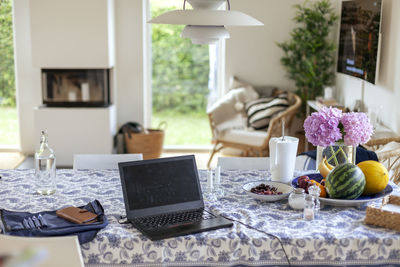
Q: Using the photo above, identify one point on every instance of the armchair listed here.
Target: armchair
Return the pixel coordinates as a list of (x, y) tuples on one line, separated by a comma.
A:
[(250, 142), (388, 152)]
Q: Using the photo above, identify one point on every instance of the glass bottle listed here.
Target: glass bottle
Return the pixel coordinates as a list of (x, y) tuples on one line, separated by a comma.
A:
[(297, 198), (315, 191), (208, 189), (45, 168), (309, 207), (219, 191)]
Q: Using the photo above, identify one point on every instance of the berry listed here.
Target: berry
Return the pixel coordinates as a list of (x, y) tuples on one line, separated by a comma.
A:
[(263, 189)]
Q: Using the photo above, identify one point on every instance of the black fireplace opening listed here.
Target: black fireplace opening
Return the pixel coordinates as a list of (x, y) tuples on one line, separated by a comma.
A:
[(76, 87)]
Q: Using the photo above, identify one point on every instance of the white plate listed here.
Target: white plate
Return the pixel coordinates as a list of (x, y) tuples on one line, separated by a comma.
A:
[(284, 188), (358, 201)]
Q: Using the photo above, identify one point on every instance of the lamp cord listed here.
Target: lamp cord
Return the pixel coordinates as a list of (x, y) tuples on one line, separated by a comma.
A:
[(227, 2)]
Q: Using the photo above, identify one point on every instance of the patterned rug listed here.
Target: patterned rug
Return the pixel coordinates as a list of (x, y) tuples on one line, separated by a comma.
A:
[(10, 160)]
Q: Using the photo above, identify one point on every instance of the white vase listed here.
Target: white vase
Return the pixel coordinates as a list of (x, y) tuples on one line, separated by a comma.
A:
[(336, 154)]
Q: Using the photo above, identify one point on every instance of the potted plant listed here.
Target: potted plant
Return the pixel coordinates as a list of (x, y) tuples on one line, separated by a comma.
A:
[(309, 55)]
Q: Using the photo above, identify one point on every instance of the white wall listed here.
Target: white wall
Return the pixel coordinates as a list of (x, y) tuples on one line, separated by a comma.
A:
[(27, 77), (251, 52), (130, 68), (72, 34), (386, 92)]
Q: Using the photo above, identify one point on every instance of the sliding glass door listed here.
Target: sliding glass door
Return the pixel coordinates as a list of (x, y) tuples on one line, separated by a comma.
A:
[(9, 133), (184, 79)]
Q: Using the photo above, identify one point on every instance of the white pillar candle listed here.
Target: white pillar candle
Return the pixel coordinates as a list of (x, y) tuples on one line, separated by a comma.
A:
[(85, 92), (282, 153)]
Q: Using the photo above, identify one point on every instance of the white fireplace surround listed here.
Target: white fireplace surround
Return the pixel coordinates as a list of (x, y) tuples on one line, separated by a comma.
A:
[(74, 34), (76, 131)]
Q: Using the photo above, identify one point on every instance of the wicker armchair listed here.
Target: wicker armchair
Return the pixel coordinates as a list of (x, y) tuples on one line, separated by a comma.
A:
[(241, 139), (388, 155)]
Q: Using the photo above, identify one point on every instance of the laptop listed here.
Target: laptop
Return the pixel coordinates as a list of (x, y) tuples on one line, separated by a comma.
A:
[(163, 198)]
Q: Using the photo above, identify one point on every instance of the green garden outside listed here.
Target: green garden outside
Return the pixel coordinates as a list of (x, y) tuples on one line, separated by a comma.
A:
[(8, 112), (8, 126)]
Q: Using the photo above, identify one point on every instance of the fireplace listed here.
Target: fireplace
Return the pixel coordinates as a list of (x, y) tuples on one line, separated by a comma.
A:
[(76, 87)]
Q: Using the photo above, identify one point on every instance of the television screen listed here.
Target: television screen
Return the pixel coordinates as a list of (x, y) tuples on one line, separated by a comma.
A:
[(359, 38)]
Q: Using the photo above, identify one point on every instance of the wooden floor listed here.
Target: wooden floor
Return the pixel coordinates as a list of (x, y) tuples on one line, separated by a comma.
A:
[(10, 160)]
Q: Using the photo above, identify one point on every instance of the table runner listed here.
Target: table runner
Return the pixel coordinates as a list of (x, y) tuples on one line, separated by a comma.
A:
[(337, 237)]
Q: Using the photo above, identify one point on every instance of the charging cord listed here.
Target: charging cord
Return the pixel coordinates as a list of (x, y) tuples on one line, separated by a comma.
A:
[(260, 231), (123, 220)]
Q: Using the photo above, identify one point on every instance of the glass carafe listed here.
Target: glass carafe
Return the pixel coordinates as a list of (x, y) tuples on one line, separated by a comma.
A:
[(45, 168)]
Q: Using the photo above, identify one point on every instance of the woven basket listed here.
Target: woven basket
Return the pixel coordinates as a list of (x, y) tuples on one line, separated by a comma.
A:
[(384, 218), (149, 143)]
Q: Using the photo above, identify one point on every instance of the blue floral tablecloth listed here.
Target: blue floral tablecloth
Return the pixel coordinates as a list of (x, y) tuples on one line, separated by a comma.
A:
[(337, 237)]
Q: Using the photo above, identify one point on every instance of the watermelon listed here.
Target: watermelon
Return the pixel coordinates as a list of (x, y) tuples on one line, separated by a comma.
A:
[(346, 181)]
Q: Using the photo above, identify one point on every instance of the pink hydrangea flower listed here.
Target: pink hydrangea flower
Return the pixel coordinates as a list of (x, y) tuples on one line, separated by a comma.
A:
[(357, 127), (321, 127)]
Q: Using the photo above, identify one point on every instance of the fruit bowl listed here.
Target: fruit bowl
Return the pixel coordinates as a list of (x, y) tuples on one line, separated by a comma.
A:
[(346, 202), (281, 187)]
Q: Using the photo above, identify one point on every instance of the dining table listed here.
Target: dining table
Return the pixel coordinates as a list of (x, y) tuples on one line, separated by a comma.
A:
[(263, 233)]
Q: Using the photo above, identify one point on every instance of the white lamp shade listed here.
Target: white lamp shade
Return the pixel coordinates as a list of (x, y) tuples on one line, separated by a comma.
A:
[(205, 17), (205, 24), (205, 34), (206, 4)]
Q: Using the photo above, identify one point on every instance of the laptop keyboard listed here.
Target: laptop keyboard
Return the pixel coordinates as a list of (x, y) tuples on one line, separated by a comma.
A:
[(170, 219)]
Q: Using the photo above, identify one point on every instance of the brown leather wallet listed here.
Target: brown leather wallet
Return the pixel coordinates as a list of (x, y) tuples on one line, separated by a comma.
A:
[(77, 215)]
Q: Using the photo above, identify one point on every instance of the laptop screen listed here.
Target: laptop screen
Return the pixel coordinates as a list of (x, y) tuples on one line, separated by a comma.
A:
[(160, 182)]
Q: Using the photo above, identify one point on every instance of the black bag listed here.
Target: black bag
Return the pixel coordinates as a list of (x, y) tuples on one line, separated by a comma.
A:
[(47, 223)]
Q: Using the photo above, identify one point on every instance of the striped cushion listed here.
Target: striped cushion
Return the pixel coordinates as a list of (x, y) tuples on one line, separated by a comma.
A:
[(261, 111)]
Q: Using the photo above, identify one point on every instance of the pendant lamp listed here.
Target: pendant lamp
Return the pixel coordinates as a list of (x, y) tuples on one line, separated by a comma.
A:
[(205, 24)]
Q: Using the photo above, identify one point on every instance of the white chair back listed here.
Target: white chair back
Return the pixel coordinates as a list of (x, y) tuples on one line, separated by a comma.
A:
[(102, 161), (260, 163), (243, 163)]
